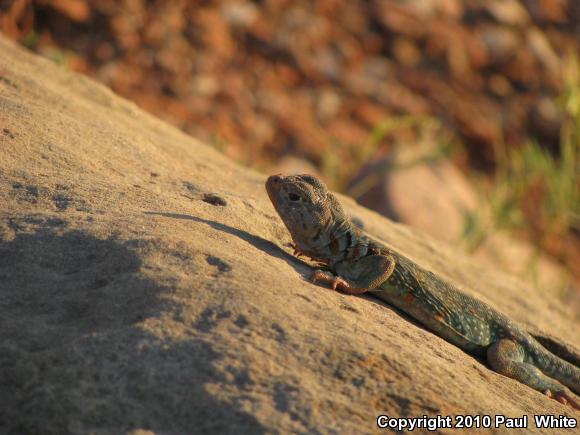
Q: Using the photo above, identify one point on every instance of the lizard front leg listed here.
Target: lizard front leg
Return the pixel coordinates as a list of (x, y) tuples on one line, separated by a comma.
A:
[(358, 276)]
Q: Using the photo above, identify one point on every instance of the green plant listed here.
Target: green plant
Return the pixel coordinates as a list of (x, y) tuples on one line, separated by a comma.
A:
[(536, 190), (30, 41)]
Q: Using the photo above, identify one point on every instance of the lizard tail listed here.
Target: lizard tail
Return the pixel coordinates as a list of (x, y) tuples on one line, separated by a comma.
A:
[(558, 348)]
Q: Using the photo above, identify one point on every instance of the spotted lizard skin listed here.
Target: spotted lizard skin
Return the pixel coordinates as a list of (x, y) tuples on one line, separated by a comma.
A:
[(354, 263)]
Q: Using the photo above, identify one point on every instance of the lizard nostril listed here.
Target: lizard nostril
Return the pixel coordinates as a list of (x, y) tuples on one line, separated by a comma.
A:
[(275, 179)]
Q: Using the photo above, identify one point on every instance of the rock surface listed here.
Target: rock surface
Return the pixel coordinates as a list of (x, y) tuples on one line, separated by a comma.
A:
[(146, 284)]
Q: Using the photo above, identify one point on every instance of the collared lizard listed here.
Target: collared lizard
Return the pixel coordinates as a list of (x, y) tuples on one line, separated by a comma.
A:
[(355, 263)]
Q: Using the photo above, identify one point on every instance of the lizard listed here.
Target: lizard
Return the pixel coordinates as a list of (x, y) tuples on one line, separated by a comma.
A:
[(355, 263)]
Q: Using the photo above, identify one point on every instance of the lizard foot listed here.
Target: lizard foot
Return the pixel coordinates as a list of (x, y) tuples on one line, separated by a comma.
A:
[(297, 252), (334, 281), (564, 397)]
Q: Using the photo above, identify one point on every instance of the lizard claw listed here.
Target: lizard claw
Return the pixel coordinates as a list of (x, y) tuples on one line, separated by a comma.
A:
[(564, 397), (334, 281), (339, 281), (313, 278), (319, 274), (297, 252)]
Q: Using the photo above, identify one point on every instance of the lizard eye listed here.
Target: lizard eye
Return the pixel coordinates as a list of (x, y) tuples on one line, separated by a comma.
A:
[(293, 197)]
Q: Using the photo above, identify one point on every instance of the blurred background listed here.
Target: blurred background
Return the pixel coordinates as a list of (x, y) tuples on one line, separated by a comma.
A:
[(460, 118)]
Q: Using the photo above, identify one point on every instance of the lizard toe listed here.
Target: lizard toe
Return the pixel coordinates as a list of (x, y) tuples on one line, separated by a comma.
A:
[(316, 276), (569, 399), (339, 283), (564, 397)]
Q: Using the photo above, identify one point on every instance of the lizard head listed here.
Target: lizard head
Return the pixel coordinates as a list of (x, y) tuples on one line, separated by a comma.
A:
[(307, 208)]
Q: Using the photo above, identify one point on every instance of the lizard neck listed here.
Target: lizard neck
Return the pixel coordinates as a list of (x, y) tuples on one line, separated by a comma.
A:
[(337, 241)]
